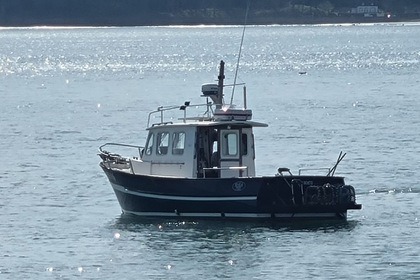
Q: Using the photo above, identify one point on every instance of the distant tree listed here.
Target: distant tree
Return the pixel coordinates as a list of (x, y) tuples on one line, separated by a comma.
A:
[(326, 6)]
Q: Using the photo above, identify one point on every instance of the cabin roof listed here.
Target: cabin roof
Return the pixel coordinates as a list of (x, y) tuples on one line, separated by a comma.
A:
[(209, 123)]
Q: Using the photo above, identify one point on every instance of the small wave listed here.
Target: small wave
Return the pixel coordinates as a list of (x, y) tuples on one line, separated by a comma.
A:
[(67, 132), (391, 191), (52, 205), (29, 165), (44, 138), (88, 139)]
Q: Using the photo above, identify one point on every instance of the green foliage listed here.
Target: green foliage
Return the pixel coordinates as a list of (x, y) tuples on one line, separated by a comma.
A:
[(139, 12)]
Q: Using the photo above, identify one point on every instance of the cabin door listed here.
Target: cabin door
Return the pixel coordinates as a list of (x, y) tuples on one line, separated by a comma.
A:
[(230, 153)]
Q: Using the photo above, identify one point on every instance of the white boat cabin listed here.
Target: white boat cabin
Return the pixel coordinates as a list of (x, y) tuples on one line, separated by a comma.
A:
[(203, 149), (217, 144)]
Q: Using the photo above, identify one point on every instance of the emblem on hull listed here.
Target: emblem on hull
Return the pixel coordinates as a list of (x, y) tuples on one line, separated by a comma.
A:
[(238, 186)]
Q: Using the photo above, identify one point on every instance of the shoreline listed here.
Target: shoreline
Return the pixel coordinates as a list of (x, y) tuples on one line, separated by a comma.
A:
[(199, 25), (208, 22)]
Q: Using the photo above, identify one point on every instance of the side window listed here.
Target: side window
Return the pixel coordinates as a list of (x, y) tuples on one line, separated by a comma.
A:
[(178, 143), (230, 145), (149, 145), (162, 143)]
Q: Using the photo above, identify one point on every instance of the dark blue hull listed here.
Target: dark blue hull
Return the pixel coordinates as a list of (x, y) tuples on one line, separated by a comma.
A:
[(257, 197)]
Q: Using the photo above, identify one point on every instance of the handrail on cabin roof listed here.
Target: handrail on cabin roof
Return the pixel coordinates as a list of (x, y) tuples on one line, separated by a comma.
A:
[(162, 109)]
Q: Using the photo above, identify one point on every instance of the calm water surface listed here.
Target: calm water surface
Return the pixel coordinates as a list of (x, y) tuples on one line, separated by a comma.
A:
[(64, 92)]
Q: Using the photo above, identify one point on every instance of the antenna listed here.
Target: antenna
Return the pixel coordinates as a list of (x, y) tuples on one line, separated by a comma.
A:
[(240, 51)]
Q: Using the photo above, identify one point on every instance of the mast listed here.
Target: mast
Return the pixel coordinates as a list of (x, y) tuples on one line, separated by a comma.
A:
[(220, 78)]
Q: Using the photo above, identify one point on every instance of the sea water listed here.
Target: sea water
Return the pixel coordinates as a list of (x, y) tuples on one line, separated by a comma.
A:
[(322, 90)]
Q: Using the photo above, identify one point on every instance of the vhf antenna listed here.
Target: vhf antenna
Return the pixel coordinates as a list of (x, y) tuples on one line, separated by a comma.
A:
[(240, 51)]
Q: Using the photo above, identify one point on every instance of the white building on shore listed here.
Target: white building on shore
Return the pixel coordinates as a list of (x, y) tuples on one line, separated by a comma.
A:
[(367, 11)]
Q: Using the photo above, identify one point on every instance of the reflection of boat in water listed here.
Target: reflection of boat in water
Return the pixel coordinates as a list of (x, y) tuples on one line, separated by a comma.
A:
[(204, 167)]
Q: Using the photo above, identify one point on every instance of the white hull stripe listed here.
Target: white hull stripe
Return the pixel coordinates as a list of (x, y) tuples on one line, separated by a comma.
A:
[(235, 215), (186, 198)]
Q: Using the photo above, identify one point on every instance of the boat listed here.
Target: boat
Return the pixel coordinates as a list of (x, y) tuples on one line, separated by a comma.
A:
[(203, 167)]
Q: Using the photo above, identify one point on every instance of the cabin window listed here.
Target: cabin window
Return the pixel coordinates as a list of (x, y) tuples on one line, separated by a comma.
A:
[(230, 144), (244, 144), (178, 143), (149, 145), (162, 143)]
